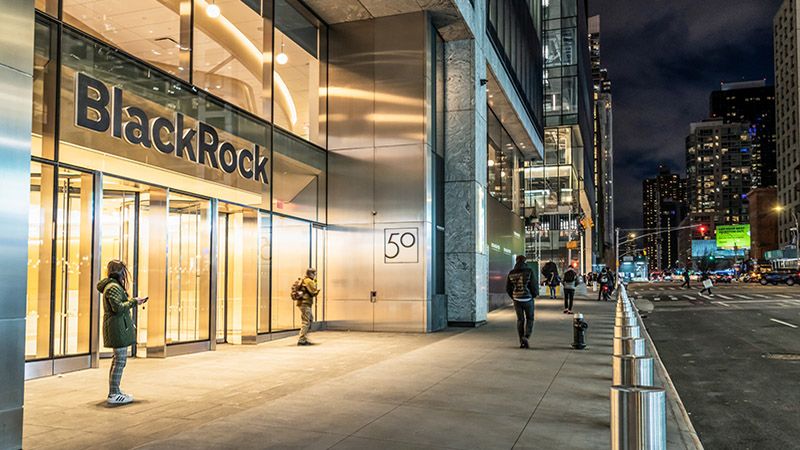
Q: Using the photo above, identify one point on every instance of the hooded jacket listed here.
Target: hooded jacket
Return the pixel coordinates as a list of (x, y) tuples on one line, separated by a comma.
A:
[(118, 328)]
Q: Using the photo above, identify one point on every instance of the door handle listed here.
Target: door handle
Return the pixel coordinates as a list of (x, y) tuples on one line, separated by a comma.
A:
[(373, 296)]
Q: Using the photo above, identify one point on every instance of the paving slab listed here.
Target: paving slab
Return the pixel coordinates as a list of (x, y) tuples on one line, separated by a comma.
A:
[(457, 389)]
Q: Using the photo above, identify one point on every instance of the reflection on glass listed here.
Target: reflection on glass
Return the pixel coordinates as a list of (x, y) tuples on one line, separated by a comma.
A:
[(298, 182), (48, 6), (318, 262), (44, 97), (292, 251), (147, 29), (229, 53), (297, 71), (40, 244), (73, 263), (188, 269), (222, 270), (264, 267)]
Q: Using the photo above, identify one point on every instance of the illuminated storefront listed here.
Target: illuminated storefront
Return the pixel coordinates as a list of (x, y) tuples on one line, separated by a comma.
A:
[(161, 152)]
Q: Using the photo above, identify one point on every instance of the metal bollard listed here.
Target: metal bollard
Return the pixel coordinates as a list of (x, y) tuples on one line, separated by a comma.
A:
[(626, 321), (627, 332), (629, 346), (632, 370), (638, 418)]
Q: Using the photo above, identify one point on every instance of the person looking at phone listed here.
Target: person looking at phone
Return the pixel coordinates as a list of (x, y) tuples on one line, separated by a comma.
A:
[(119, 332)]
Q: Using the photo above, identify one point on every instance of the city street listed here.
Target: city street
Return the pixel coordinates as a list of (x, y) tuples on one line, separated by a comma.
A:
[(734, 358)]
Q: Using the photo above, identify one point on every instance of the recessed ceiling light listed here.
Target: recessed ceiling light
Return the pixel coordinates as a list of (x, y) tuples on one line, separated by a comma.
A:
[(213, 11)]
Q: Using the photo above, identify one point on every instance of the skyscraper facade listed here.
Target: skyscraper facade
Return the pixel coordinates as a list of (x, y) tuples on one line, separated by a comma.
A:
[(719, 171), (602, 149), (663, 208), (787, 110), (753, 103), (559, 196)]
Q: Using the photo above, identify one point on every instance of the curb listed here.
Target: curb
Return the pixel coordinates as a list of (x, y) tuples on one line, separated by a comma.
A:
[(677, 407)]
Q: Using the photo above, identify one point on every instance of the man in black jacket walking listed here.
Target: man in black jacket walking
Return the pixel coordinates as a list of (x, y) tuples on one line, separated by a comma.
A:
[(522, 287)]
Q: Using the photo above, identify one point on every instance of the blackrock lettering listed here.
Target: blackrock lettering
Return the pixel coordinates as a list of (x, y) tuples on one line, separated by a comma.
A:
[(169, 136)]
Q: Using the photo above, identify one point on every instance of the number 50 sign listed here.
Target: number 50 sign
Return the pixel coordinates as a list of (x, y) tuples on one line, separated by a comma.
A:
[(400, 245)]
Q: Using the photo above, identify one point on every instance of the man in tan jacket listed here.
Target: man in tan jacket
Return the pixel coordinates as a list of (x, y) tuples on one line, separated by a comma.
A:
[(306, 305)]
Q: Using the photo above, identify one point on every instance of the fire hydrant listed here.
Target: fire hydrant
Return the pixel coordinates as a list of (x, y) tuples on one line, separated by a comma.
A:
[(579, 327)]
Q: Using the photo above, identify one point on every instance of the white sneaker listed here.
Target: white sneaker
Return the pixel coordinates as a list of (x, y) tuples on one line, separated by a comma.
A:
[(119, 399)]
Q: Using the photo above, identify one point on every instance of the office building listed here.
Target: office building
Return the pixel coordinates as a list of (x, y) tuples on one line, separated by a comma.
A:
[(763, 221), (221, 148), (751, 102), (718, 169), (663, 208), (559, 191), (602, 150), (787, 110)]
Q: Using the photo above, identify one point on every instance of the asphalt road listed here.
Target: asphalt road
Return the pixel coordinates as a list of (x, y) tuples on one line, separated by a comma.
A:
[(734, 359)]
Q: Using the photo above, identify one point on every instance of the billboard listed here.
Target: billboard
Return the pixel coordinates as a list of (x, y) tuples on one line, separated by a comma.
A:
[(733, 236), (703, 248)]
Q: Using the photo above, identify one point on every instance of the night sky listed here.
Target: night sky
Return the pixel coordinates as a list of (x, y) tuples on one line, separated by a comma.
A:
[(664, 58)]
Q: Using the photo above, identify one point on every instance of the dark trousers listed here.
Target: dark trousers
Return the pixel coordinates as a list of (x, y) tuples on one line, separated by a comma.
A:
[(524, 312), (569, 297), (686, 283)]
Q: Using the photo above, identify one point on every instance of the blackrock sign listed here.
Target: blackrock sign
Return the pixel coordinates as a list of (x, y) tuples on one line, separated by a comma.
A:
[(102, 110)]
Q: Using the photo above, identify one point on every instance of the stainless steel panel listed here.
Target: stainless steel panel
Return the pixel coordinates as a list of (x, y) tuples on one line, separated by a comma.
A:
[(214, 271), (356, 315), (400, 184), (351, 85), (12, 370), (91, 239), (65, 365), (38, 369), (15, 146), (400, 79), (16, 40), (11, 424), (187, 348), (350, 262), (400, 281), (405, 316), (350, 186), (157, 274)]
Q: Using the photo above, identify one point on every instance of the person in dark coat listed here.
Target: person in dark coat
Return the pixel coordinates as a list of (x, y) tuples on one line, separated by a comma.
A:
[(119, 332), (522, 287)]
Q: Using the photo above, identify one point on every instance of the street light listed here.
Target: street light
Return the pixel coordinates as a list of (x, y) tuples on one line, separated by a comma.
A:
[(780, 208)]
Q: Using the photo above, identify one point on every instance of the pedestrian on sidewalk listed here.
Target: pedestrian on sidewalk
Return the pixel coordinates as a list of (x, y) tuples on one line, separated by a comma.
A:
[(552, 282), (304, 291), (605, 280), (521, 286), (119, 332), (705, 278), (686, 279), (570, 283)]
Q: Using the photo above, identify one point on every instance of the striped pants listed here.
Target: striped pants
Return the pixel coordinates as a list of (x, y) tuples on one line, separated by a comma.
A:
[(117, 366)]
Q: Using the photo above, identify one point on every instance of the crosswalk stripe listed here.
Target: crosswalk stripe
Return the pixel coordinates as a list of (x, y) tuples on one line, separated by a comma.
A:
[(689, 297), (657, 299), (672, 297), (741, 296), (782, 296), (759, 295), (724, 296)]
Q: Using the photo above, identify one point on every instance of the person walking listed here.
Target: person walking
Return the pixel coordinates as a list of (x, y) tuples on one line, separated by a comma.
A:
[(119, 332), (523, 289), (305, 304), (686, 279), (605, 281), (570, 283), (553, 281), (705, 279)]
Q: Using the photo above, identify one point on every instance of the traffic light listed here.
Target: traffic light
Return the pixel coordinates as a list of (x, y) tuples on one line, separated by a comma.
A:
[(702, 229)]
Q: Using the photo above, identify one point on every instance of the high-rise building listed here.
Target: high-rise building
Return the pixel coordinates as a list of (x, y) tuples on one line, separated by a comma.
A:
[(602, 149), (763, 221), (787, 110), (751, 102), (663, 208), (560, 190), (718, 168), (221, 148)]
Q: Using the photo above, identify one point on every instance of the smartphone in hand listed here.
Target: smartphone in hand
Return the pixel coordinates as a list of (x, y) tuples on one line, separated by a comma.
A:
[(142, 300)]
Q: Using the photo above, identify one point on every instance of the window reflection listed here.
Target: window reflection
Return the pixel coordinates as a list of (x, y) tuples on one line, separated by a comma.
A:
[(299, 180), (292, 251), (40, 245), (147, 29), (44, 85), (298, 72)]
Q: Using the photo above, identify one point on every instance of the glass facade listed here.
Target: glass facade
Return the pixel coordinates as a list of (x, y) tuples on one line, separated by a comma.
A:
[(504, 157), (138, 158)]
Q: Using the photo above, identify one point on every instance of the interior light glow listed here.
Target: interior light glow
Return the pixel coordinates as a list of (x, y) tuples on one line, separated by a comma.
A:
[(281, 58), (213, 11)]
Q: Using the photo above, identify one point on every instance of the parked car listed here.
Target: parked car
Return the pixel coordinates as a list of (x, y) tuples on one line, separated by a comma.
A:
[(779, 277)]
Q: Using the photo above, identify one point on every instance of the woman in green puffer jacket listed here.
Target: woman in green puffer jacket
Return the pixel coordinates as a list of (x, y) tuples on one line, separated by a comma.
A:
[(119, 332)]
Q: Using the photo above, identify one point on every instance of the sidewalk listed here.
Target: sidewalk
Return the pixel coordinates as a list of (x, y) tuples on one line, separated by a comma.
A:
[(454, 389)]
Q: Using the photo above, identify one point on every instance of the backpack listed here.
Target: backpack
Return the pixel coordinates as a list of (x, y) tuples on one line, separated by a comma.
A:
[(298, 290), (569, 277)]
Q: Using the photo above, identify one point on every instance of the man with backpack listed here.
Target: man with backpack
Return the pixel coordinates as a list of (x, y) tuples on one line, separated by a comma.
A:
[(570, 282), (522, 287), (304, 291)]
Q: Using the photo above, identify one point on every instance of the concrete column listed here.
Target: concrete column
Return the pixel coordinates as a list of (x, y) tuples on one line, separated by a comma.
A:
[(466, 253), (16, 96)]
